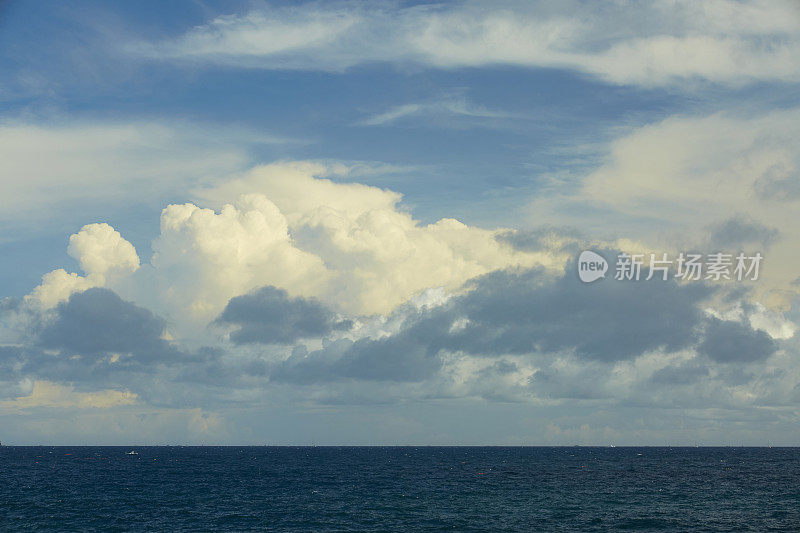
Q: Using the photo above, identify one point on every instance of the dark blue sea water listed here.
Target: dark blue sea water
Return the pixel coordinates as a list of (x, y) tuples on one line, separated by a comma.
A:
[(399, 489)]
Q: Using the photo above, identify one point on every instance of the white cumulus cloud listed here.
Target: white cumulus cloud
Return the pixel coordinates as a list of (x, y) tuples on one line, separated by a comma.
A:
[(101, 250), (350, 245), (103, 255)]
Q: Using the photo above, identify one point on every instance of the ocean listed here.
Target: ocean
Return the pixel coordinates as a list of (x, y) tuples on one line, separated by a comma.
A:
[(399, 489)]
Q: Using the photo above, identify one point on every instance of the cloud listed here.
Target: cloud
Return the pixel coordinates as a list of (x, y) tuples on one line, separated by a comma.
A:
[(511, 336), (98, 325), (779, 183), (56, 287), (729, 341), (327, 250), (439, 110), (96, 340), (775, 324), (300, 187), (121, 425), (395, 113), (651, 44), (56, 167), (203, 258), (257, 34), (525, 313), (547, 238), (351, 246), (286, 254), (736, 233), (53, 395), (101, 250), (530, 335), (397, 358), (529, 312), (270, 316), (11, 377), (523, 323), (104, 257), (690, 182), (681, 374), (694, 159), (411, 351)]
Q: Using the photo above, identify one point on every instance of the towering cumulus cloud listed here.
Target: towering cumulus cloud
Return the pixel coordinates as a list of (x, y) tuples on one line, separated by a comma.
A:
[(103, 255), (347, 244)]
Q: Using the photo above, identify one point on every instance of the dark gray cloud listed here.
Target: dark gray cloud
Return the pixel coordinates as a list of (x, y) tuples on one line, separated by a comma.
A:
[(728, 341), (96, 339), (97, 322), (500, 368), (519, 313), (682, 374), (588, 383), (270, 316), (779, 183), (553, 238), (524, 312), (739, 232), (11, 358), (401, 358)]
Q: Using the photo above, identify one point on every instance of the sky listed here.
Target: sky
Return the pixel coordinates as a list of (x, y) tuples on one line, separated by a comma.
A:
[(360, 223)]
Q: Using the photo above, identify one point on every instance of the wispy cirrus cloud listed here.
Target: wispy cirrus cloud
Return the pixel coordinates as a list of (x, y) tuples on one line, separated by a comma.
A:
[(440, 111), (648, 44)]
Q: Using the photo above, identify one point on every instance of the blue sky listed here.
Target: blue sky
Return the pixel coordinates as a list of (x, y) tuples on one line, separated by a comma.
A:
[(542, 128), (66, 64)]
